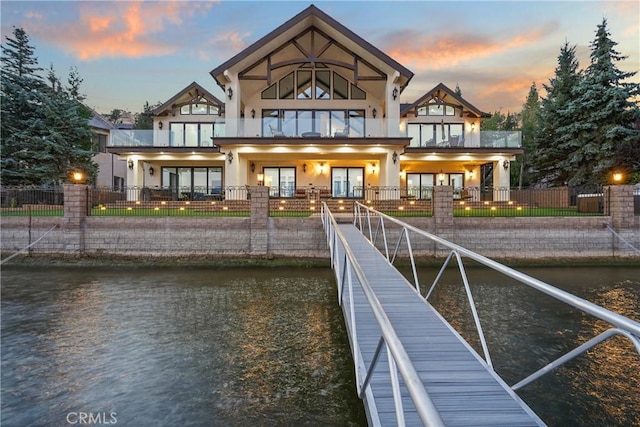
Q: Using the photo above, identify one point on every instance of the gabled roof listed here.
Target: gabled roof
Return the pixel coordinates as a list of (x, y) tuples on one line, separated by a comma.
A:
[(190, 94), (441, 91), (98, 121), (311, 16)]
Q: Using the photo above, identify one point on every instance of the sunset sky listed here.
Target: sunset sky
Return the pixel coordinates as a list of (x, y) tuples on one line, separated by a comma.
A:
[(131, 52)]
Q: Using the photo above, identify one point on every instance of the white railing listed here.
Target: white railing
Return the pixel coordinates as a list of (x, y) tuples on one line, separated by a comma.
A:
[(346, 267), (620, 325)]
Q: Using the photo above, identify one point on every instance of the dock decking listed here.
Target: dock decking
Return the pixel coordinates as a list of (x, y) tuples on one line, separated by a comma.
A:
[(465, 391)]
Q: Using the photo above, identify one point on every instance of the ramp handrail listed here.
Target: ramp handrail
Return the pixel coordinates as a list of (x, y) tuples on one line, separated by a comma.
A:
[(621, 325), (398, 357)]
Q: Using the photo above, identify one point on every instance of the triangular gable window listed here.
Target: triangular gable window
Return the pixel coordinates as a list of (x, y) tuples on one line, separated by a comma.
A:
[(308, 84)]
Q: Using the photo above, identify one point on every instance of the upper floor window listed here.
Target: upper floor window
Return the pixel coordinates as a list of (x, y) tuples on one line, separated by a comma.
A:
[(436, 109), (308, 83), (199, 109)]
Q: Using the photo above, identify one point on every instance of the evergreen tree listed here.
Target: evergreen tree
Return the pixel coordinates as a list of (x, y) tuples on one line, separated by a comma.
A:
[(22, 130), (601, 138), (530, 122), (550, 143), (69, 146), (144, 119), (458, 91), (45, 131)]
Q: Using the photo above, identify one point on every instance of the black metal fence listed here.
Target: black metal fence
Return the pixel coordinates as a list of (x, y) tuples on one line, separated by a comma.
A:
[(169, 201), (235, 201), (32, 201), (504, 201)]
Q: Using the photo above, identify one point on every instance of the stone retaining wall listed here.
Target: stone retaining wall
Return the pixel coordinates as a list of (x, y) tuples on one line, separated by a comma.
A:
[(261, 235)]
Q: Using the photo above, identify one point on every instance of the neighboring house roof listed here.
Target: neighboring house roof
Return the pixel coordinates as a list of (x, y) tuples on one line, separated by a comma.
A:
[(98, 121), (441, 92), (191, 94), (309, 17)]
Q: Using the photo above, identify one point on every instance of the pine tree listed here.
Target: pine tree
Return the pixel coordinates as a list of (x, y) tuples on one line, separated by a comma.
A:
[(601, 138), (45, 131), (22, 130), (530, 123), (550, 150), (69, 146)]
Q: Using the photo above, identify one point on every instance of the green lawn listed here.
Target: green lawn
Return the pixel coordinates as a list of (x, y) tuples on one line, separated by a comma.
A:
[(33, 212), (186, 212), (519, 212)]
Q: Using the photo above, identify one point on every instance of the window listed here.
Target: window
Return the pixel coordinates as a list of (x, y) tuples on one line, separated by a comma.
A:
[(435, 108), (193, 134), (271, 92), (435, 134), (280, 180), (323, 122), (304, 84), (100, 143), (340, 87), (420, 185), (313, 84), (286, 87), (193, 183), (199, 109), (118, 183), (347, 182), (323, 84)]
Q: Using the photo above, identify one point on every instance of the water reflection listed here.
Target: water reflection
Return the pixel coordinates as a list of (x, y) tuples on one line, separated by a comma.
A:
[(175, 347), (526, 330)]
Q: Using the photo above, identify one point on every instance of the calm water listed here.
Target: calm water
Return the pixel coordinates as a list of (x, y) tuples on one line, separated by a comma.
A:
[(175, 347), (184, 346)]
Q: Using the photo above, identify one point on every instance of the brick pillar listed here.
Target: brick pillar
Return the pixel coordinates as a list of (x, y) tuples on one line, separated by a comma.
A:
[(259, 220), (75, 214), (618, 204), (443, 207)]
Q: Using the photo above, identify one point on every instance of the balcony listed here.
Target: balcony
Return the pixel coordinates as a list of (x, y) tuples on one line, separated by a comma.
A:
[(483, 139), (205, 135)]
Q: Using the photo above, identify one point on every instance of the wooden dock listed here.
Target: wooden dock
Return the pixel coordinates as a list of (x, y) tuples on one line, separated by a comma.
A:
[(463, 388)]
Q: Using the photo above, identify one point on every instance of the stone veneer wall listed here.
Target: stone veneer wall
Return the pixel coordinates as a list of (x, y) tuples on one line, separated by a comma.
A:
[(261, 235)]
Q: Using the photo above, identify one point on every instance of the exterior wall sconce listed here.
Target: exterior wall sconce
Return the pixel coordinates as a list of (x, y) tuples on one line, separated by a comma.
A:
[(395, 93), (160, 125), (505, 164), (322, 168), (304, 167), (441, 177), (151, 170), (253, 113), (253, 167), (260, 179), (374, 113), (373, 168), (473, 126), (403, 174), (394, 157), (230, 156), (230, 93), (130, 164)]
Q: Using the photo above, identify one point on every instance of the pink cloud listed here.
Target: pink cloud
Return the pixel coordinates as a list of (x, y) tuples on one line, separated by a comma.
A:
[(119, 29), (424, 52)]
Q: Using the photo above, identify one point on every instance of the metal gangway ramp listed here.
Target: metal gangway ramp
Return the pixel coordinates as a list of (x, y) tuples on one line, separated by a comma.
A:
[(411, 366)]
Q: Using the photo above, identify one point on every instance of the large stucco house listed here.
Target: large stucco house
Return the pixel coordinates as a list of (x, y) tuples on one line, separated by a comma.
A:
[(312, 105)]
